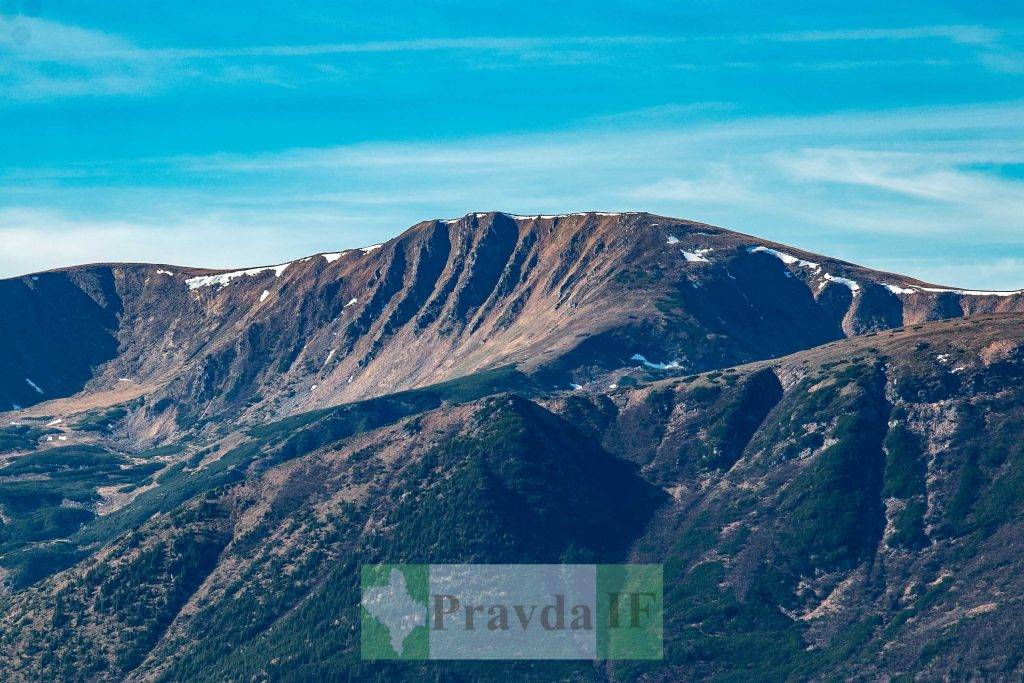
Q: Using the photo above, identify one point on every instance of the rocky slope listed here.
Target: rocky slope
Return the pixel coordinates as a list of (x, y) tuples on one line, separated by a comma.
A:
[(576, 297), (851, 510), (826, 459)]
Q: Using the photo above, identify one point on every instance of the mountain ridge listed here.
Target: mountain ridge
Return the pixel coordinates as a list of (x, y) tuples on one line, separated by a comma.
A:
[(814, 451), (810, 512), (330, 256), (444, 298)]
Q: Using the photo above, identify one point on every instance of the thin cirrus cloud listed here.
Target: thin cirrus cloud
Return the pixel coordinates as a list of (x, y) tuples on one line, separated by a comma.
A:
[(827, 179), (921, 176), (96, 63), (782, 177), (822, 182), (974, 134)]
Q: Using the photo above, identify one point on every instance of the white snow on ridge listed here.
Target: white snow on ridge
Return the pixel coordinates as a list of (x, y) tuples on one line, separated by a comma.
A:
[(331, 258), (223, 279), (351, 302), (672, 239), (788, 259), (914, 289), (854, 287), (896, 289), (372, 247), (34, 385), (160, 271), (523, 217), (969, 292), (674, 365), (264, 295)]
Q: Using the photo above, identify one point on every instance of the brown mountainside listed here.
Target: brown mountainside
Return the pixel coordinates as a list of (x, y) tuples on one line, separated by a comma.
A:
[(579, 298)]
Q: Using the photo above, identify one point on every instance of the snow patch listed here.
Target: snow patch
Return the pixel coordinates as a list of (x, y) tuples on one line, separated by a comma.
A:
[(54, 423), (696, 256), (575, 387), (896, 289), (550, 216), (372, 247), (34, 385), (854, 287), (674, 365), (914, 289), (788, 259), (672, 239), (223, 279), (331, 258), (160, 271), (351, 302), (969, 292), (329, 356), (264, 295)]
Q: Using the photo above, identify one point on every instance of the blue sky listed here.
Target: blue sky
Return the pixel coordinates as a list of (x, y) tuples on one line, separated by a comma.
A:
[(889, 134)]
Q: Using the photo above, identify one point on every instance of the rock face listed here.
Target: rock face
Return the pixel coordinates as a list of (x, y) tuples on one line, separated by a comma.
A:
[(578, 296), (826, 459)]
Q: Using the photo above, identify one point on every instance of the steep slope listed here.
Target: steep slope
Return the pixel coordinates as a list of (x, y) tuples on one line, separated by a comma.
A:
[(850, 510), (234, 575), (575, 298), (870, 525)]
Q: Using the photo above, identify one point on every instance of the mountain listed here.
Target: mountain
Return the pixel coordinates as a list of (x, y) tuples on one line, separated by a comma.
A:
[(576, 297), (825, 458)]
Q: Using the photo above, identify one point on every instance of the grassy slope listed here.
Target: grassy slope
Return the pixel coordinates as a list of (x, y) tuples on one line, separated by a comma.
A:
[(783, 503)]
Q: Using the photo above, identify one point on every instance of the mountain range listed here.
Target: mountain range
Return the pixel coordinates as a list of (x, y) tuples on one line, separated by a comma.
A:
[(825, 458)]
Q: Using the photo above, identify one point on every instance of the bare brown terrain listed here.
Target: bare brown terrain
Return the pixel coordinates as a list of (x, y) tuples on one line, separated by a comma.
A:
[(825, 458)]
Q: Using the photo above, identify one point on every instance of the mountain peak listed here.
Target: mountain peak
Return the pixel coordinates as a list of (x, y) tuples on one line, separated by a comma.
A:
[(582, 298)]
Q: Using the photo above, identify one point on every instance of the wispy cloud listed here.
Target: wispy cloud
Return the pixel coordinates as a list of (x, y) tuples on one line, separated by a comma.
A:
[(823, 182), (35, 39), (43, 59), (970, 34), (922, 176), (610, 144), (831, 182), (72, 238)]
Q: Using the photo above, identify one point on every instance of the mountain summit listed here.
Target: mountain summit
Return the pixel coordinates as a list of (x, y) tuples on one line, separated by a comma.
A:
[(825, 459), (578, 298)]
